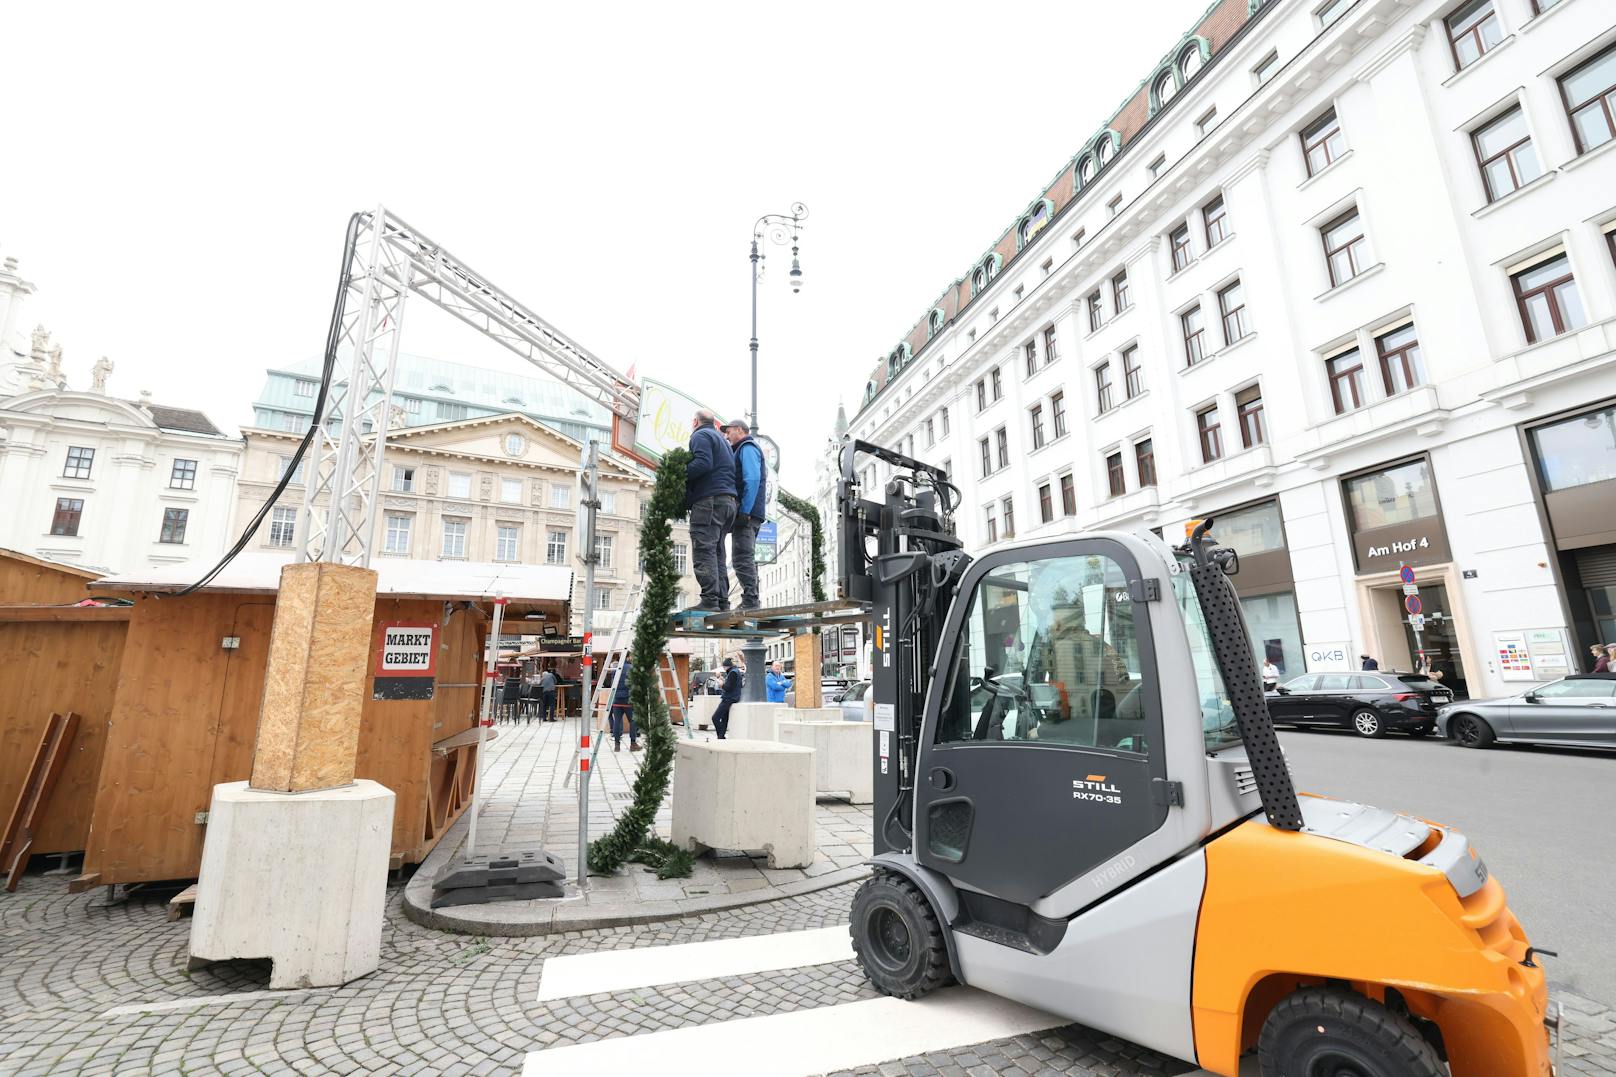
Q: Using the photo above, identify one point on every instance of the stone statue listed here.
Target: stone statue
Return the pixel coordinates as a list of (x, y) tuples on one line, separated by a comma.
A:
[(53, 372), (41, 340), (99, 374)]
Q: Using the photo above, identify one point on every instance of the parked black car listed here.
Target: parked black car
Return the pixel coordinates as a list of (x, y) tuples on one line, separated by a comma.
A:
[(1367, 703)]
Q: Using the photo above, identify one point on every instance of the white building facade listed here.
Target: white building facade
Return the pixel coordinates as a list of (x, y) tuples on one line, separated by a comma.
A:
[(1343, 277)]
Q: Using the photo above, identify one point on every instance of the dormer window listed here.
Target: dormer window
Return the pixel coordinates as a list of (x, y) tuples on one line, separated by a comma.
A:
[(1103, 154), (1164, 89), (934, 323), (1033, 223), (1189, 63), (979, 279), (1085, 171)]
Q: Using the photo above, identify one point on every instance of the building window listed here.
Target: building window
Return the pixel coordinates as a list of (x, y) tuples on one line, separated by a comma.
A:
[(1194, 329), (412, 405), (182, 475), (1144, 457), (1217, 221), (1068, 487), (1472, 30), (1189, 62), (603, 598), (1343, 247), (1540, 6), (1211, 433), (1113, 207), (1164, 89), (515, 444), (1547, 297), (560, 495), (1104, 150), (931, 432), (608, 498), (681, 558), (991, 523), (1504, 150), (1119, 292), (1133, 376), (1577, 451), (1332, 11), (79, 463), (69, 510), (1158, 166), (1036, 414), (303, 388), (1249, 413), (460, 484), (174, 521), (1051, 353), (934, 324), (403, 478), (1589, 92), (1266, 67), (398, 534), (510, 491), (948, 469), (451, 411), (981, 394), (555, 548), (986, 452), (507, 540), (1096, 315), (1208, 120), (998, 384), (282, 526), (1102, 387), (1400, 365), (1114, 479), (1030, 353), (1033, 223), (1046, 503), (284, 463), (603, 550), (1346, 381), (943, 414), (1008, 506), (1322, 142), (1001, 437), (1232, 305), (1398, 495), (1057, 412), (1179, 240), (454, 538)]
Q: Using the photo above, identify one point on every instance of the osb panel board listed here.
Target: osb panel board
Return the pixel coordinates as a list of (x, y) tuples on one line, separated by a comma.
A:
[(308, 730), (181, 697), (23, 581), (57, 667), (806, 661)]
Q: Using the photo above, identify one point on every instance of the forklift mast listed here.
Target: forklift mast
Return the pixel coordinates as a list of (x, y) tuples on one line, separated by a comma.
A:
[(898, 553)]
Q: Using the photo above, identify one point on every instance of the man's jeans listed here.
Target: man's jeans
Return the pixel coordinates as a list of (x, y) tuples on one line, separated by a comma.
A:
[(710, 521), (548, 711), (623, 714), (743, 552)]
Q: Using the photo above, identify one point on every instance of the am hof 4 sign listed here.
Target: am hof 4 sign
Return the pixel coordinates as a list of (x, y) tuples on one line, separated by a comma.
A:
[(406, 662)]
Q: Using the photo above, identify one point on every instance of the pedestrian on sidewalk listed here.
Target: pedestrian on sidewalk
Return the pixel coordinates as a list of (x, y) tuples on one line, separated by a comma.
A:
[(1597, 655), (547, 695), (752, 494), (710, 497), (1368, 663), (777, 683), (1607, 664), (623, 711), (1270, 675), (728, 696)]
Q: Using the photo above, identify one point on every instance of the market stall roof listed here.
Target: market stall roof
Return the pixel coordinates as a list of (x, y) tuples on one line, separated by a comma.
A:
[(259, 572)]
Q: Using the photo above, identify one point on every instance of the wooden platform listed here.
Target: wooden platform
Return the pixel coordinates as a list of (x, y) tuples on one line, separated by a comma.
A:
[(771, 621)]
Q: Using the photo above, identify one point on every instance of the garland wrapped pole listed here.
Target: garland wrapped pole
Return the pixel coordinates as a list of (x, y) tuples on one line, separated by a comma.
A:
[(632, 838), (798, 507)]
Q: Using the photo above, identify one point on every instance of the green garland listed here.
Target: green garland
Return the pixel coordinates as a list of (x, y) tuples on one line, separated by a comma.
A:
[(632, 838), (794, 504)]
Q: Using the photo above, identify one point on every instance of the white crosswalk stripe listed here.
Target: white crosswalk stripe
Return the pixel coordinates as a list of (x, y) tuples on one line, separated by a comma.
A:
[(653, 966)]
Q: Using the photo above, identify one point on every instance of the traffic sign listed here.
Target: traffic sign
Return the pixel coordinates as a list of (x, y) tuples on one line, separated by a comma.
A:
[(1411, 588), (1406, 573), (1417, 622), (1413, 604)]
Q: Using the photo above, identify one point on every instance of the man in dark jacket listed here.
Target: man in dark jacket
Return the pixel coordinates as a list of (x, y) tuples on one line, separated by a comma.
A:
[(752, 492), (710, 497), (623, 712), (547, 695), (730, 695)]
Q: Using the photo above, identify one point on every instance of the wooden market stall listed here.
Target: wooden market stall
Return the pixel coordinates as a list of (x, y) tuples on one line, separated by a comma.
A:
[(56, 658), (186, 711)]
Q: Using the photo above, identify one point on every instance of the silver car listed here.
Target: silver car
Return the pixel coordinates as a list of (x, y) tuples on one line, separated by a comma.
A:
[(1579, 710), (855, 702)]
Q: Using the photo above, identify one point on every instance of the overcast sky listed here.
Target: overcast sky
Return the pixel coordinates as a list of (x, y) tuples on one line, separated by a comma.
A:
[(176, 181)]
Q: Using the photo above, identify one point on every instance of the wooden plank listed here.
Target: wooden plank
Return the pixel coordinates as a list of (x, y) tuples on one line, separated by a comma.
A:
[(64, 667), (181, 903), (18, 837), (24, 578), (64, 614)]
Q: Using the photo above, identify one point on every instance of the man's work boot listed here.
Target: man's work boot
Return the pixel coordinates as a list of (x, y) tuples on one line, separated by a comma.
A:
[(617, 745), (633, 745)]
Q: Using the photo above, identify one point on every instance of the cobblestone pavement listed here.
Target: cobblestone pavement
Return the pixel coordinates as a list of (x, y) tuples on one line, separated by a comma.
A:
[(448, 1004)]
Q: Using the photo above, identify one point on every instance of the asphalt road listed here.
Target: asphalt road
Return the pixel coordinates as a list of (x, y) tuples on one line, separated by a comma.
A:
[(1544, 819)]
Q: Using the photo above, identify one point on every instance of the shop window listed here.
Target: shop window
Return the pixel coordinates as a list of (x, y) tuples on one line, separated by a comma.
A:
[(1399, 494), (1251, 531), (1577, 451)]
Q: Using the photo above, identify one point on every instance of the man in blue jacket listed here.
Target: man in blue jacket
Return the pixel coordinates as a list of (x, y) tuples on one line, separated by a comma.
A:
[(728, 697), (710, 497), (752, 491), (623, 711), (776, 683)]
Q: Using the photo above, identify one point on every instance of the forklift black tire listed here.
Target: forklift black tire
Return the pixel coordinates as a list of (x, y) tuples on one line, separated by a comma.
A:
[(1366, 723), (1468, 731), (897, 939), (1329, 1032)]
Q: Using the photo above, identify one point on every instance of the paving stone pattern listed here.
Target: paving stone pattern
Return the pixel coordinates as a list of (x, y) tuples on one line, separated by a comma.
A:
[(450, 1004)]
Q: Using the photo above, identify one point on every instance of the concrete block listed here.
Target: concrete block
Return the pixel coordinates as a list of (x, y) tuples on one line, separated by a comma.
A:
[(745, 794), (701, 710), (299, 878), (754, 721), (843, 753)]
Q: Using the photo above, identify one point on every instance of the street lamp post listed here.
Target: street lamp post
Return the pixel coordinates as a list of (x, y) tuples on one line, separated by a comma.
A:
[(782, 228)]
